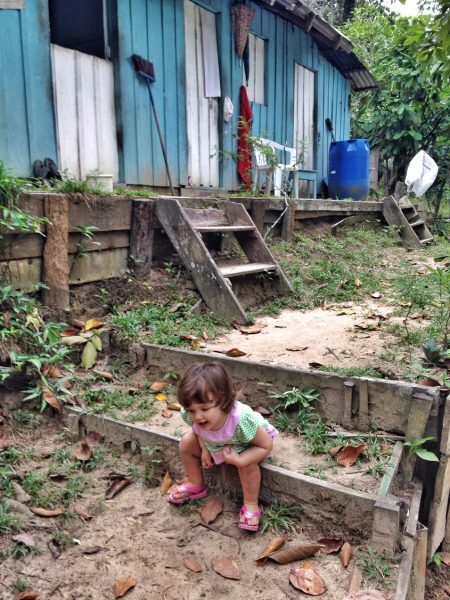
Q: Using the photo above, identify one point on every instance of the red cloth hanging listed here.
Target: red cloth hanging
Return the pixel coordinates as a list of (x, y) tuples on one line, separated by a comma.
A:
[(244, 144)]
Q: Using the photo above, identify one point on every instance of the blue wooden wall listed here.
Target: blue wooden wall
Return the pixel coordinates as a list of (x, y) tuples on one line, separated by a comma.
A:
[(154, 29), (27, 124)]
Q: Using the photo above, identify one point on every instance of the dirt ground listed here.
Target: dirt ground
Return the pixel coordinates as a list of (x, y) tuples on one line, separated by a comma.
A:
[(141, 535)]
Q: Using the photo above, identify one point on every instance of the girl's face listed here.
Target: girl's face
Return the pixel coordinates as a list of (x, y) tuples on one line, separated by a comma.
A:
[(207, 414)]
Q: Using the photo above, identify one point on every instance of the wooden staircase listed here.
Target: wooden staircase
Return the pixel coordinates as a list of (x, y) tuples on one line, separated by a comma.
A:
[(403, 214), (186, 227)]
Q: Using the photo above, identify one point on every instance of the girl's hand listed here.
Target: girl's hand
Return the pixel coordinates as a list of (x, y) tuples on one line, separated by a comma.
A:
[(207, 461), (231, 457)]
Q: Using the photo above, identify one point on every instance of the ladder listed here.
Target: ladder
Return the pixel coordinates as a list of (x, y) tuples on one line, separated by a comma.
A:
[(412, 228), (187, 229)]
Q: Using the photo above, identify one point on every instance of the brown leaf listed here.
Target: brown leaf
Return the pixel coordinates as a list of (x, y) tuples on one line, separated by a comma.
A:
[(50, 398), (212, 508), (349, 454), (69, 332), (55, 548), (252, 329), (297, 348), (93, 438), (387, 374), (346, 554), (82, 451), (227, 567), (330, 545), (122, 585), (188, 337), (92, 324), (334, 451), (205, 335), (47, 512), (192, 565), (235, 352), (308, 581), (429, 382), (273, 546), (26, 596), (315, 365), (174, 406), (80, 510), (4, 441), (166, 414), (165, 484), (53, 372), (103, 374), (25, 538), (116, 486), (287, 555), (159, 386), (77, 323), (92, 550), (262, 410)]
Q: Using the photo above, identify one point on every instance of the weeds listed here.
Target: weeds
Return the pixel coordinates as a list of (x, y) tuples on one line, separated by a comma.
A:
[(375, 566), (9, 523), (416, 447), (278, 517)]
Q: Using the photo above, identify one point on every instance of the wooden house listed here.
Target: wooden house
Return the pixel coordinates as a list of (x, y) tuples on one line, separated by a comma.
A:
[(69, 90)]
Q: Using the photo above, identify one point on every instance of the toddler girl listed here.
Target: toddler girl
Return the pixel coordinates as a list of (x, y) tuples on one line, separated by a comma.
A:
[(223, 430)]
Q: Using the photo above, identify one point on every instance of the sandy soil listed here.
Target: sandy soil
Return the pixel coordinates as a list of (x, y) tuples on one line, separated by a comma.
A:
[(144, 537)]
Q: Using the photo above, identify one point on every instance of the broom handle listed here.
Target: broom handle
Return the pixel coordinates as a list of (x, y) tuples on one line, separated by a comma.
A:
[(163, 148)]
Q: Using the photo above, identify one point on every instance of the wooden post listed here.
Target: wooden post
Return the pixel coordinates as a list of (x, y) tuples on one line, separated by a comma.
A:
[(141, 235), (363, 405), (415, 429), (348, 401), (287, 227), (258, 212), (56, 250), (418, 572)]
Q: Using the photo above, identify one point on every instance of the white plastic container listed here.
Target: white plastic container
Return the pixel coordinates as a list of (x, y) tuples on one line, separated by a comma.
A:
[(102, 181)]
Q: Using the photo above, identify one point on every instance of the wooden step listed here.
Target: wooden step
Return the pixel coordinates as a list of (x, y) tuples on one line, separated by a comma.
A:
[(246, 269), (407, 208), (426, 240), (417, 223), (224, 228)]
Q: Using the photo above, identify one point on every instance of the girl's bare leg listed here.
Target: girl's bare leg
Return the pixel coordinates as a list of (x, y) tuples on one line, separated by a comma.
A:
[(250, 477), (191, 452)]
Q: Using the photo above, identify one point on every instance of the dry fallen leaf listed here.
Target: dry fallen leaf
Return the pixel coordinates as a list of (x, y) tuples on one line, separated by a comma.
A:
[(273, 546), (5, 442), (227, 567), (159, 386), (53, 372), (92, 550), (92, 324), (192, 565), (297, 348), (47, 512), (103, 374), (69, 332), (348, 455), (235, 352), (166, 414), (51, 399), (82, 451), (161, 397), (116, 486), (26, 596), (212, 508), (189, 338), (358, 283), (25, 538), (122, 585), (174, 406), (330, 545), (165, 484), (429, 382), (334, 451), (252, 329), (346, 554), (55, 548), (81, 511), (287, 555), (308, 581)]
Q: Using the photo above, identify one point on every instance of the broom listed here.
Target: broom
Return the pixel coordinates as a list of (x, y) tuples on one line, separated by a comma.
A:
[(144, 68)]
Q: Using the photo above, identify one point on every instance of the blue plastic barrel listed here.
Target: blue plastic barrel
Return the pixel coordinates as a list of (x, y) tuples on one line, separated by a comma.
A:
[(349, 169)]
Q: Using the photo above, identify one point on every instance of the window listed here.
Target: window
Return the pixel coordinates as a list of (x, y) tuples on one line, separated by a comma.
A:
[(256, 80), (78, 25)]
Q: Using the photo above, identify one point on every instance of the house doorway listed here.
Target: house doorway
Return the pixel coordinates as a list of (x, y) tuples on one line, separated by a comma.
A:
[(202, 96), (304, 129)]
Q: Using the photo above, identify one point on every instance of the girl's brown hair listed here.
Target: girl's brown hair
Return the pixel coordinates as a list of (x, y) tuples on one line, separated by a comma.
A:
[(204, 382)]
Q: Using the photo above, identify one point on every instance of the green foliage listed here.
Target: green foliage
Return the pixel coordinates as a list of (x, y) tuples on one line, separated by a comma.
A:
[(435, 560), (416, 447), (375, 566), (9, 523), (279, 517), (296, 398)]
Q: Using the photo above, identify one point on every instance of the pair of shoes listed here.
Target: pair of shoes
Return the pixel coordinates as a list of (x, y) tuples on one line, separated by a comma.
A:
[(189, 493), (249, 520), (46, 170)]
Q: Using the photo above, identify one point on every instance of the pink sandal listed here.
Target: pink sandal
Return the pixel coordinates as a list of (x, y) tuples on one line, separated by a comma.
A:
[(193, 493), (249, 520)]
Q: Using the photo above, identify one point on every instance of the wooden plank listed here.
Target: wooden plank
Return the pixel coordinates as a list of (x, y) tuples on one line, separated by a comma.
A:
[(205, 216), (444, 446), (394, 216), (258, 211), (287, 226), (102, 240), (416, 589), (391, 470), (446, 543), (141, 236), (96, 266), (334, 206), (247, 269), (386, 526), (205, 273), (415, 429), (22, 274), (347, 405), (224, 228), (439, 504), (363, 417), (56, 267), (107, 213)]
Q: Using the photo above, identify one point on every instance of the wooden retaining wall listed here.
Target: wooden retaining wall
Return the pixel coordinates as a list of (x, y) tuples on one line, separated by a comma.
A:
[(128, 234)]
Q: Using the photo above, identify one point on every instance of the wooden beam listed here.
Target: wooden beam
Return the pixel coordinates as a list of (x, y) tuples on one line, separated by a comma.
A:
[(348, 402), (56, 265), (141, 236)]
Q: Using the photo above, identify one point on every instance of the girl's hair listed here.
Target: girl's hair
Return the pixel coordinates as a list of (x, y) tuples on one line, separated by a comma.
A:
[(204, 382)]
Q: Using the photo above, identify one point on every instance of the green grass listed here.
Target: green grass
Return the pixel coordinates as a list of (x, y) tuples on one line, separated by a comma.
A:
[(279, 517), (9, 523), (375, 566)]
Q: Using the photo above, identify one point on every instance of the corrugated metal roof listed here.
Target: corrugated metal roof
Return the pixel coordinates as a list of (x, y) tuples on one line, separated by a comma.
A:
[(335, 46)]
